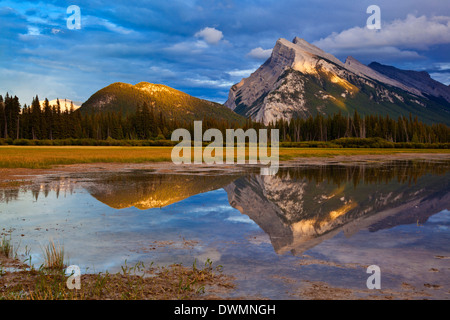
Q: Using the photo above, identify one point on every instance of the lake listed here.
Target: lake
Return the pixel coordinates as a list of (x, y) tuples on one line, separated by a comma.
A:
[(311, 231)]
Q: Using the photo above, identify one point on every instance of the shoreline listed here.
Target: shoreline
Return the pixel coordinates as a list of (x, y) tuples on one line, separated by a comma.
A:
[(18, 281), (17, 174)]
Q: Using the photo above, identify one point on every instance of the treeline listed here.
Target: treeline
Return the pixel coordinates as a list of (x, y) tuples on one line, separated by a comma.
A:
[(337, 126), (51, 123)]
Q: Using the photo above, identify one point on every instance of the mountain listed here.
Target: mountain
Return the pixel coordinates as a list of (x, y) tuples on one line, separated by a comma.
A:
[(64, 103), (420, 80), (300, 79), (125, 98)]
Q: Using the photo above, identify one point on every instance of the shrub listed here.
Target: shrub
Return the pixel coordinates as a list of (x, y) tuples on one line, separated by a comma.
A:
[(23, 142)]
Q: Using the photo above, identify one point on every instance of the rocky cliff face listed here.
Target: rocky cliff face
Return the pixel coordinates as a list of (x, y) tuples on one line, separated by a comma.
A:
[(300, 79), (271, 93)]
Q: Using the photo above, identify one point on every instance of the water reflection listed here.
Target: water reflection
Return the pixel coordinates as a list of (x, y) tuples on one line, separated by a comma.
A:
[(298, 208), (9, 195), (246, 222), (153, 190), (301, 207)]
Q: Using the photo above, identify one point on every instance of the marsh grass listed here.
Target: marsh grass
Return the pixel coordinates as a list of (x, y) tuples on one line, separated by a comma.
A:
[(44, 157), (6, 248), (292, 153), (137, 282), (54, 256)]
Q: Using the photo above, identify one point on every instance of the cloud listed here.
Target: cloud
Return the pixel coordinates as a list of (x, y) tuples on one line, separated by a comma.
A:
[(260, 53), (162, 72), (33, 31), (56, 31), (210, 35), (210, 83), (443, 77), (188, 47), (391, 53), (95, 21), (440, 71), (412, 33), (140, 40), (241, 73), (442, 66)]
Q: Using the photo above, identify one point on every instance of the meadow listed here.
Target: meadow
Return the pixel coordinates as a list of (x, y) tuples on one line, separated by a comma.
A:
[(44, 157)]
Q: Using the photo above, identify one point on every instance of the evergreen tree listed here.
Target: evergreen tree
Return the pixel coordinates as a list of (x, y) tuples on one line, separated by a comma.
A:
[(35, 119), (2, 118)]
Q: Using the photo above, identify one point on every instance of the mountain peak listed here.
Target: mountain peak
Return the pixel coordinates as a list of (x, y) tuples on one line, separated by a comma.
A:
[(173, 104), (301, 55), (419, 80), (305, 45), (298, 55), (300, 41), (153, 88), (65, 104), (300, 80), (351, 60)]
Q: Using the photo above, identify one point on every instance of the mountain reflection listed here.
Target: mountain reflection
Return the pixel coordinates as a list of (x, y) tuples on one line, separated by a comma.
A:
[(301, 207), (146, 191)]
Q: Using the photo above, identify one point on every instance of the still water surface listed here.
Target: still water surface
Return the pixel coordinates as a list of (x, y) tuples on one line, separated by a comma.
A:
[(308, 223)]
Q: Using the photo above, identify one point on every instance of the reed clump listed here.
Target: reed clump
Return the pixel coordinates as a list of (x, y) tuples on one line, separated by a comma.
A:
[(54, 256)]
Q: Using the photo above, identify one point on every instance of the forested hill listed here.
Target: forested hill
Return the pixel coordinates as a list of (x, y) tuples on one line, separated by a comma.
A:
[(174, 104)]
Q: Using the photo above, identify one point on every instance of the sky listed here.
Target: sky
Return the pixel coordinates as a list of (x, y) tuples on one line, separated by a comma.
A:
[(202, 47)]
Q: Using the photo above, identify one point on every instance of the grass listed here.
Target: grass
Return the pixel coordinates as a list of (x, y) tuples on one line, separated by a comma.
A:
[(6, 247), (37, 157), (54, 256), (292, 153), (133, 283), (136, 282), (40, 157)]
